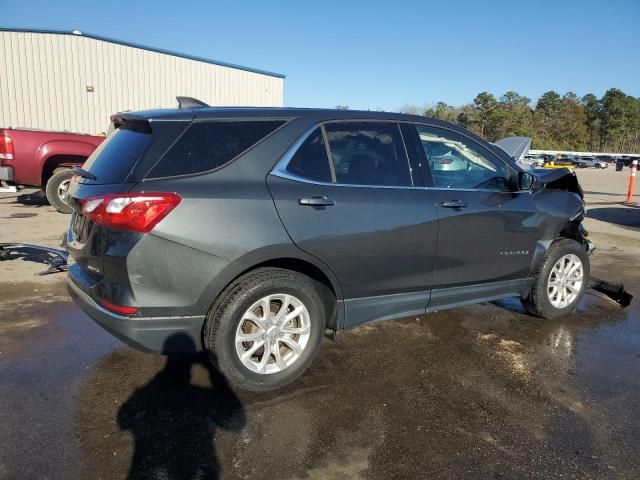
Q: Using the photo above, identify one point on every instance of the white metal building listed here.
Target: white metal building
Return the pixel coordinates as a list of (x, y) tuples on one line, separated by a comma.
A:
[(58, 80)]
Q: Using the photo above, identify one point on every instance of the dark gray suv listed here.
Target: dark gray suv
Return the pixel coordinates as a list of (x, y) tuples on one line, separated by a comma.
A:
[(253, 232)]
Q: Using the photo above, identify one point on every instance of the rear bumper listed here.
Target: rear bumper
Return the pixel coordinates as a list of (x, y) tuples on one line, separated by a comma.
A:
[(6, 174), (151, 334)]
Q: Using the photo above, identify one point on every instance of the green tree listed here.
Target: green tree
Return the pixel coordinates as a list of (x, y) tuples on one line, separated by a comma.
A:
[(619, 122), (516, 115), (593, 110), (441, 111), (486, 107), (557, 122), (560, 122)]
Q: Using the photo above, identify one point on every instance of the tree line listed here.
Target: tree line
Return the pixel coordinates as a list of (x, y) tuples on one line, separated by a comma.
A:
[(556, 122)]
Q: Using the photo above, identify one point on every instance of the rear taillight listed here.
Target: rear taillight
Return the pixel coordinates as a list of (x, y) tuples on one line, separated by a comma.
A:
[(6, 147), (138, 212), (119, 309)]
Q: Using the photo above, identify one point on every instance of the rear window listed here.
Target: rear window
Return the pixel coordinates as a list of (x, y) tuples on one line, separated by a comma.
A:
[(114, 158), (206, 146)]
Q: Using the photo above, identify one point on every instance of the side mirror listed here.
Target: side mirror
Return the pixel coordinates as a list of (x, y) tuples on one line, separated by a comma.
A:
[(525, 181)]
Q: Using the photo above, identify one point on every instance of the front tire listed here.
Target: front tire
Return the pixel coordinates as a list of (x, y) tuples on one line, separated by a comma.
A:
[(57, 187), (560, 280), (265, 328)]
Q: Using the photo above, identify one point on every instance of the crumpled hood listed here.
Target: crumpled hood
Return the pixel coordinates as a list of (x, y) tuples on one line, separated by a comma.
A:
[(558, 179), (516, 147)]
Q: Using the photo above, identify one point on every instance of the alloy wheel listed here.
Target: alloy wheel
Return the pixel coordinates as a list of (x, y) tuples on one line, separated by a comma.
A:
[(63, 190), (565, 281), (273, 333)]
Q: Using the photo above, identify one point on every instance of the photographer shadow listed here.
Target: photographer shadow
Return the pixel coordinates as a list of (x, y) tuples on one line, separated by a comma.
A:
[(173, 422)]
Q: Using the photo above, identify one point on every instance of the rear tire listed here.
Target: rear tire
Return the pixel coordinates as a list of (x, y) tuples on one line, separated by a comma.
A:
[(260, 351), (57, 187), (559, 281)]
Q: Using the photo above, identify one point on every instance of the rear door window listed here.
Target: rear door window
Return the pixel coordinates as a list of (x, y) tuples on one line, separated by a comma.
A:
[(208, 145), (368, 153), (116, 156)]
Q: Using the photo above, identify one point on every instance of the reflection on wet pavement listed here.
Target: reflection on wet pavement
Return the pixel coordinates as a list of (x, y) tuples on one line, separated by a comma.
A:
[(484, 391)]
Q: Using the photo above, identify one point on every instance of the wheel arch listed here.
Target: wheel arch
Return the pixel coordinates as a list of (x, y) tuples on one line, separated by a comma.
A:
[(570, 231), (56, 161), (293, 260)]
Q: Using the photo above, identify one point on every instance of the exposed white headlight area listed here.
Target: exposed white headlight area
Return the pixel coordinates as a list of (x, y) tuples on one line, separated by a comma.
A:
[(91, 205), (116, 205)]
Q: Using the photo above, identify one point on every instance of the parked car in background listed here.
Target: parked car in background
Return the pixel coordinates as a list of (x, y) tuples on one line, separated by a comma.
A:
[(606, 158), (564, 161), (536, 161), (627, 160), (44, 159), (256, 231), (586, 162)]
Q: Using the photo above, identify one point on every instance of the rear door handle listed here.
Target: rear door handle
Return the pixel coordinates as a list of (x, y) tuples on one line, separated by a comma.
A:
[(454, 204), (317, 201)]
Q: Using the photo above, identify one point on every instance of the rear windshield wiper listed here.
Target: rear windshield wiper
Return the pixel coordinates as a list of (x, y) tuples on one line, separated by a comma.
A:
[(84, 174)]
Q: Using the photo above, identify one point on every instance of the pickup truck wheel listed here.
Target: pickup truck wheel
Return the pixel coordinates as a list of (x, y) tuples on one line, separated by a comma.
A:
[(265, 328), (57, 187), (560, 281)]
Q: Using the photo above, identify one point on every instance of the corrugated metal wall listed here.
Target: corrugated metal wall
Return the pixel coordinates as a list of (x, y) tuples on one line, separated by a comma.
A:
[(44, 79)]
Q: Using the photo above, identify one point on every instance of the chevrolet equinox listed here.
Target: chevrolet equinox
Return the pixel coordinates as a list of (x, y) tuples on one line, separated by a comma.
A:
[(257, 231)]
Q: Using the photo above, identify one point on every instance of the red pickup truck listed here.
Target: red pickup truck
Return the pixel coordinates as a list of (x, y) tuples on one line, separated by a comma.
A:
[(44, 159)]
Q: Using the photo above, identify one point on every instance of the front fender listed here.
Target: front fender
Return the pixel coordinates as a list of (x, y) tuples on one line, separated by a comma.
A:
[(563, 213)]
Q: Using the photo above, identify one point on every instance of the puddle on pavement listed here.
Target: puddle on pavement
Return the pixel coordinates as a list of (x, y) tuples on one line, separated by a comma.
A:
[(41, 367), (476, 389), (482, 391)]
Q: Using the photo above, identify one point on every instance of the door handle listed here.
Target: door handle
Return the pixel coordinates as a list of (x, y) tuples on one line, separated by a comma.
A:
[(454, 204), (319, 201)]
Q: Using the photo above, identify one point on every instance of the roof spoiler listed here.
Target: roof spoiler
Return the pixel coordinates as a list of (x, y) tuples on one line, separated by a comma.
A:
[(129, 121), (189, 102), (516, 147)]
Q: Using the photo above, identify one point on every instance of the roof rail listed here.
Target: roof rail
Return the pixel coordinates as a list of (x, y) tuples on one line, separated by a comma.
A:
[(188, 102)]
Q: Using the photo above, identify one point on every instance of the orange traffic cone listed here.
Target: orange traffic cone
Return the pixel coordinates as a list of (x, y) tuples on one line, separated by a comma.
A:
[(632, 182)]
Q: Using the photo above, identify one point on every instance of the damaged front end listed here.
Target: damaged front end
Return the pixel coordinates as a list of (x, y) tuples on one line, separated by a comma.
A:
[(568, 210), (615, 291), (559, 179), (565, 180), (575, 230)]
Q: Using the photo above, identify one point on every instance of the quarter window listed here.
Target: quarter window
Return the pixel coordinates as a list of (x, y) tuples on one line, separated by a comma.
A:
[(368, 153), (457, 162), (208, 145), (311, 160)]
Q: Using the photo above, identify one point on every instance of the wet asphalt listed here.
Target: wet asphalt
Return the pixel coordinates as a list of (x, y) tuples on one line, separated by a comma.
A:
[(478, 392)]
